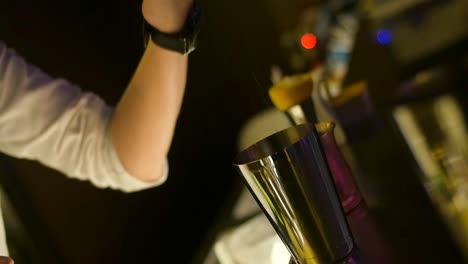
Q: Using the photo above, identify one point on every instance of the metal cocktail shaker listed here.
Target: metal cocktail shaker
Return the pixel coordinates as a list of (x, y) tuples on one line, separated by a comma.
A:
[(348, 190), (293, 95), (289, 177)]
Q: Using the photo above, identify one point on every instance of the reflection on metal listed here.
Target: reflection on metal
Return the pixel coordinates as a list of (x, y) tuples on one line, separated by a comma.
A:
[(348, 191), (436, 135), (365, 230), (289, 177)]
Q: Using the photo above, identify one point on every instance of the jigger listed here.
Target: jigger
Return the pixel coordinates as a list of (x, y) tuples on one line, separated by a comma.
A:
[(288, 176)]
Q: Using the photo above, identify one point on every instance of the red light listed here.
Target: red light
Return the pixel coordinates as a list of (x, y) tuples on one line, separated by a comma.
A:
[(308, 41)]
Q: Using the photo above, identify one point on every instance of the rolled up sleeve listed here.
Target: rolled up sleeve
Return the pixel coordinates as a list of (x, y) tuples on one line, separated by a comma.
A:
[(55, 123)]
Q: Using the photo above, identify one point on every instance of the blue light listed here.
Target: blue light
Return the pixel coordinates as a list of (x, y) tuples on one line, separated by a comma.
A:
[(384, 37)]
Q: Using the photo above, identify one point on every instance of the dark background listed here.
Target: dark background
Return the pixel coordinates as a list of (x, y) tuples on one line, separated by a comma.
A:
[(97, 45)]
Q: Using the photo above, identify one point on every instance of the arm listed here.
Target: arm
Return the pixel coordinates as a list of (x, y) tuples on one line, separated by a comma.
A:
[(55, 122), (144, 120)]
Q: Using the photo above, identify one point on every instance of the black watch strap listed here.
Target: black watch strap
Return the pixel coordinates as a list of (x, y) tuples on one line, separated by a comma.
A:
[(184, 41)]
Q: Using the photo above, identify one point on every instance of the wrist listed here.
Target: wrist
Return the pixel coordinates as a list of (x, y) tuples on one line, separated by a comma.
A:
[(168, 16), (176, 36)]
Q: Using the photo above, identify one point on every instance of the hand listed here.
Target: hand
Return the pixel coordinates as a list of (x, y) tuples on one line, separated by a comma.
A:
[(168, 16), (6, 260)]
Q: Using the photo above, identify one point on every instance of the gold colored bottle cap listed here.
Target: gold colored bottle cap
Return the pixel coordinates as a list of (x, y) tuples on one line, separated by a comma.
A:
[(291, 90)]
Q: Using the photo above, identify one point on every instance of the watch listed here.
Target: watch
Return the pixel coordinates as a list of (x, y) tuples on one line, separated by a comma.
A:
[(184, 41)]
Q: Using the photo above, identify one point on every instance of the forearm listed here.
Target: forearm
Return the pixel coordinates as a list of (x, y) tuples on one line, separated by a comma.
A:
[(143, 124)]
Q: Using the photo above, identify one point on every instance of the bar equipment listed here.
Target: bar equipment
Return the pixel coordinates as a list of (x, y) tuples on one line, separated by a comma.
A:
[(293, 95), (348, 191), (353, 108), (435, 133), (288, 176), (365, 230)]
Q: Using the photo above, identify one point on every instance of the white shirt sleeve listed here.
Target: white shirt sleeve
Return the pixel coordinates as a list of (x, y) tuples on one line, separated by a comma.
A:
[(57, 124)]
